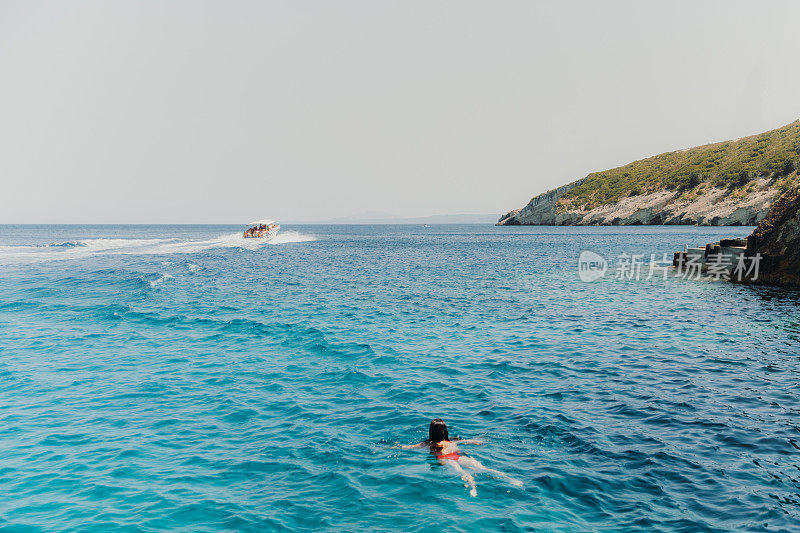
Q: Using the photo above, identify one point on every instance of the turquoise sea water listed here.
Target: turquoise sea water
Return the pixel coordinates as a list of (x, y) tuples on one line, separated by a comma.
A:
[(179, 378)]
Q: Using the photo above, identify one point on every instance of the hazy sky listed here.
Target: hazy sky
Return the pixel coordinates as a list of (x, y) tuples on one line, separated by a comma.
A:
[(193, 112)]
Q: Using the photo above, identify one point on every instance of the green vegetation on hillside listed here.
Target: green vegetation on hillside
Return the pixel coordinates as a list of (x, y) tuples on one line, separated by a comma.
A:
[(731, 164)]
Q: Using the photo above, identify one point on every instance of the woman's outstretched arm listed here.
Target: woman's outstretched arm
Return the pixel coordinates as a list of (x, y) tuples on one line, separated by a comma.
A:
[(411, 446), (470, 441)]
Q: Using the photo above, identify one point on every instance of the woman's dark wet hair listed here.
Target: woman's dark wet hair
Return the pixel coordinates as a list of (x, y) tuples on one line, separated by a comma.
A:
[(437, 432)]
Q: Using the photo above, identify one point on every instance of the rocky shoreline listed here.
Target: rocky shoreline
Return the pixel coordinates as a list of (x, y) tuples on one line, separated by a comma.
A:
[(711, 207), (777, 241), (770, 255), (729, 183)]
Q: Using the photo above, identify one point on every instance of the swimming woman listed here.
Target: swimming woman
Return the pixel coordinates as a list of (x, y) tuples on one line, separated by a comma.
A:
[(447, 452)]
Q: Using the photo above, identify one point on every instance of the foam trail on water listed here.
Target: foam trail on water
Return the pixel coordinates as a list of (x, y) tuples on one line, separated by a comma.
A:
[(286, 237), (92, 247)]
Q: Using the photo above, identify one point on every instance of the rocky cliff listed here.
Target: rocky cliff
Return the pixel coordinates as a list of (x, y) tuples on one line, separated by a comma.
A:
[(541, 210), (777, 239), (722, 184), (711, 206)]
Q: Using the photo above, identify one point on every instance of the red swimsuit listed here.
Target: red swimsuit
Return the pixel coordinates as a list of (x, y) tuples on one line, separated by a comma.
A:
[(452, 456)]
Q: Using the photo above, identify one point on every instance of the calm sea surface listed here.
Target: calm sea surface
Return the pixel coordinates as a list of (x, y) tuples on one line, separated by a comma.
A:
[(180, 378)]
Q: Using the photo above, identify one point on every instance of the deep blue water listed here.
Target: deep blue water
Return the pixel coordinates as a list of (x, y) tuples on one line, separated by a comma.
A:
[(178, 378)]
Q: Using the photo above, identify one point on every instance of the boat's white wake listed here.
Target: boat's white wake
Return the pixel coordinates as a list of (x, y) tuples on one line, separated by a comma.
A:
[(286, 237), (92, 247)]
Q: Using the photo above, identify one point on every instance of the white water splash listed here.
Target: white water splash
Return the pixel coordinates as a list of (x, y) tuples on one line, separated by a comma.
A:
[(286, 237), (92, 247), (162, 279)]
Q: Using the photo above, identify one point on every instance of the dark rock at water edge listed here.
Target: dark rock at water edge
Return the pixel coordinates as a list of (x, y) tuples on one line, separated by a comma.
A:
[(777, 240)]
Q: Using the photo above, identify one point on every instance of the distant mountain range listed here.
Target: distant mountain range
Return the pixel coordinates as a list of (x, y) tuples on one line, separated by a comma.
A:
[(721, 184), (376, 218)]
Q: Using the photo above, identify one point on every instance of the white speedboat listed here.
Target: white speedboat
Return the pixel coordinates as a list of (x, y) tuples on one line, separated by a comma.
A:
[(262, 229)]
